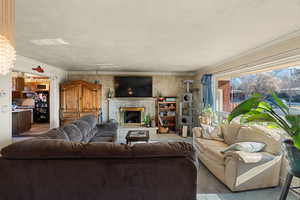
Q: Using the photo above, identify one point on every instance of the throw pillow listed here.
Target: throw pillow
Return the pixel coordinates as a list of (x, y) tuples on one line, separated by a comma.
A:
[(212, 133), (230, 131), (197, 131), (250, 147)]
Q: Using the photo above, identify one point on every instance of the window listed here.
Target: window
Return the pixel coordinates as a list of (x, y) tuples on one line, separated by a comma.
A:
[(232, 90)]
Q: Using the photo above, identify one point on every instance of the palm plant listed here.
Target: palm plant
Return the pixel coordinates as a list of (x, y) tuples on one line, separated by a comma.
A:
[(257, 109)]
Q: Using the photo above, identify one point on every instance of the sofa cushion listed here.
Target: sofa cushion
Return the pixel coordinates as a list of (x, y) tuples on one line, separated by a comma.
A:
[(84, 128), (101, 139), (255, 134), (105, 133), (91, 119), (55, 133), (230, 131), (214, 154), (109, 126), (58, 149), (158, 149), (203, 144), (212, 149), (73, 133)]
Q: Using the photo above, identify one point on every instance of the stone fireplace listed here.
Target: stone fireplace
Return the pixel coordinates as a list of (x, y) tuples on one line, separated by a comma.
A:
[(131, 111), (131, 115)]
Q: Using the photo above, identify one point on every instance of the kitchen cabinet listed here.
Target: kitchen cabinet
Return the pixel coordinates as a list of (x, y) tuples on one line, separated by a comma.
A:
[(21, 121), (18, 84), (79, 98)]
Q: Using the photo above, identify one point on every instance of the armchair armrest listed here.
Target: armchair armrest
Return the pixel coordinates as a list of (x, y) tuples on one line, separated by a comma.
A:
[(250, 157)]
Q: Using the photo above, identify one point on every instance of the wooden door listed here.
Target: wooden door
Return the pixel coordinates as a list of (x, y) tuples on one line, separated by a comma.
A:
[(90, 98), (70, 100)]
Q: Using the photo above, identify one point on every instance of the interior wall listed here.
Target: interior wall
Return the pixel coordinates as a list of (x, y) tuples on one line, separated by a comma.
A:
[(24, 64), (167, 85), (5, 110), (56, 76)]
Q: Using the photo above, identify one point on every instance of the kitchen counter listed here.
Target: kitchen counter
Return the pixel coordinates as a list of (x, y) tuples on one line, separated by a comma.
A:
[(21, 121), (21, 110)]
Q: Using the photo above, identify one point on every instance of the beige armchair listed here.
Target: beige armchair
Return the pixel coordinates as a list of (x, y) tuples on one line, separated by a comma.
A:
[(240, 170)]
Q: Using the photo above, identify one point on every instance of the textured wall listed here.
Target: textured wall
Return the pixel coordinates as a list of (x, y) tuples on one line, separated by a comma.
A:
[(168, 85), (5, 112)]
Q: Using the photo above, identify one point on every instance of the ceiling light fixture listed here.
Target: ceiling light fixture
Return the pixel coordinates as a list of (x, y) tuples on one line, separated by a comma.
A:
[(7, 55), (49, 42), (7, 50)]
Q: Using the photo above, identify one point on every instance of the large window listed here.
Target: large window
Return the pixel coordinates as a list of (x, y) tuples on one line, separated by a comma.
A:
[(232, 90)]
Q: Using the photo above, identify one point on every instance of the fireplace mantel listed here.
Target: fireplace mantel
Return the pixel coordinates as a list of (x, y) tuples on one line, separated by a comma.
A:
[(141, 109)]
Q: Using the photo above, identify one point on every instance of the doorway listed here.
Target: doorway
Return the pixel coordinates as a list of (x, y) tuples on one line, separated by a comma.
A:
[(30, 104)]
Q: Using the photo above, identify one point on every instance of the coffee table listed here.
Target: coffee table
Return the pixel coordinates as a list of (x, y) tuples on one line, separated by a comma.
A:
[(137, 136)]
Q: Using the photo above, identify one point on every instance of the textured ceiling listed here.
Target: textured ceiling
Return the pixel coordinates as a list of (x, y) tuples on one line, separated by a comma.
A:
[(149, 35)]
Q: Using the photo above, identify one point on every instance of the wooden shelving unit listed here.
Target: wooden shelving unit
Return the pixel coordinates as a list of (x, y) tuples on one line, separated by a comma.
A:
[(166, 115)]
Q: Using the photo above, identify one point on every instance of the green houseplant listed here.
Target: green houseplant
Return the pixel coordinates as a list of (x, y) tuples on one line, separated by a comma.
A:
[(258, 109), (147, 121), (206, 115)]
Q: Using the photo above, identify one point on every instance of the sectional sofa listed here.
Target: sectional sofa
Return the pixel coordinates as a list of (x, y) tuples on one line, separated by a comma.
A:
[(86, 129)]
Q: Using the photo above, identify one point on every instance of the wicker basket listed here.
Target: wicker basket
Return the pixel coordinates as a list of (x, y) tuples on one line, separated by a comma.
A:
[(163, 129)]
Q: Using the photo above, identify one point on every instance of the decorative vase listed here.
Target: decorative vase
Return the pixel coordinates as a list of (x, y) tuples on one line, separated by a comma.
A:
[(293, 156)]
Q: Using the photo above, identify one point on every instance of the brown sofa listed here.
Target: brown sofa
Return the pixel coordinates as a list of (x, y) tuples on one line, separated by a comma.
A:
[(240, 170), (48, 169)]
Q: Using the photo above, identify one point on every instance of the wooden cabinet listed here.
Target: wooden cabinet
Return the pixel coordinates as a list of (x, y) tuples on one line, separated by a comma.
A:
[(19, 84), (17, 87), (77, 99), (21, 121)]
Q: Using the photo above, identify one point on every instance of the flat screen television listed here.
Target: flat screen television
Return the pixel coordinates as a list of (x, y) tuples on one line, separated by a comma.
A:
[(133, 86)]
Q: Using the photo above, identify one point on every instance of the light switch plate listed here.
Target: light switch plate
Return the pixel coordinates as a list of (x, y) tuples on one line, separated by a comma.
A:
[(3, 93)]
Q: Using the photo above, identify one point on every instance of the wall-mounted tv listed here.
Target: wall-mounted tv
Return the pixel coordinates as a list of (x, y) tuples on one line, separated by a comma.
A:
[(133, 86)]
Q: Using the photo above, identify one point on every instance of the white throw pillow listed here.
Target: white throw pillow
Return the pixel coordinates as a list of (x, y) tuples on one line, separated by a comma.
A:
[(250, 147), (212, 133), (197, 131)]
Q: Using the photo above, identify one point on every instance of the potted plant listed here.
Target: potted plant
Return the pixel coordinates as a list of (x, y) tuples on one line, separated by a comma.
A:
[(147, 121), (260, 109), (206, 115), (160, 96), (109, 93)]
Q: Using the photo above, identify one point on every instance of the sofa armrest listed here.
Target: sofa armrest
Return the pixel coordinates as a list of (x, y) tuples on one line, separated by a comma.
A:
[(247, 157), (109, 126), (246, 171)]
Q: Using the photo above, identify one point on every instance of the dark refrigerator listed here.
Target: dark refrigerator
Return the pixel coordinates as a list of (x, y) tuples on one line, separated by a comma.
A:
[(41, 107)]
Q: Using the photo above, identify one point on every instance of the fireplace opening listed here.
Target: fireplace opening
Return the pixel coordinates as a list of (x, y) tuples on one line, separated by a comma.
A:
[(132, 116)]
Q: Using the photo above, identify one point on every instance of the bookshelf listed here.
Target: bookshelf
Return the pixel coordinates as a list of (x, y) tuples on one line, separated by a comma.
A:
[(166, 114)]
